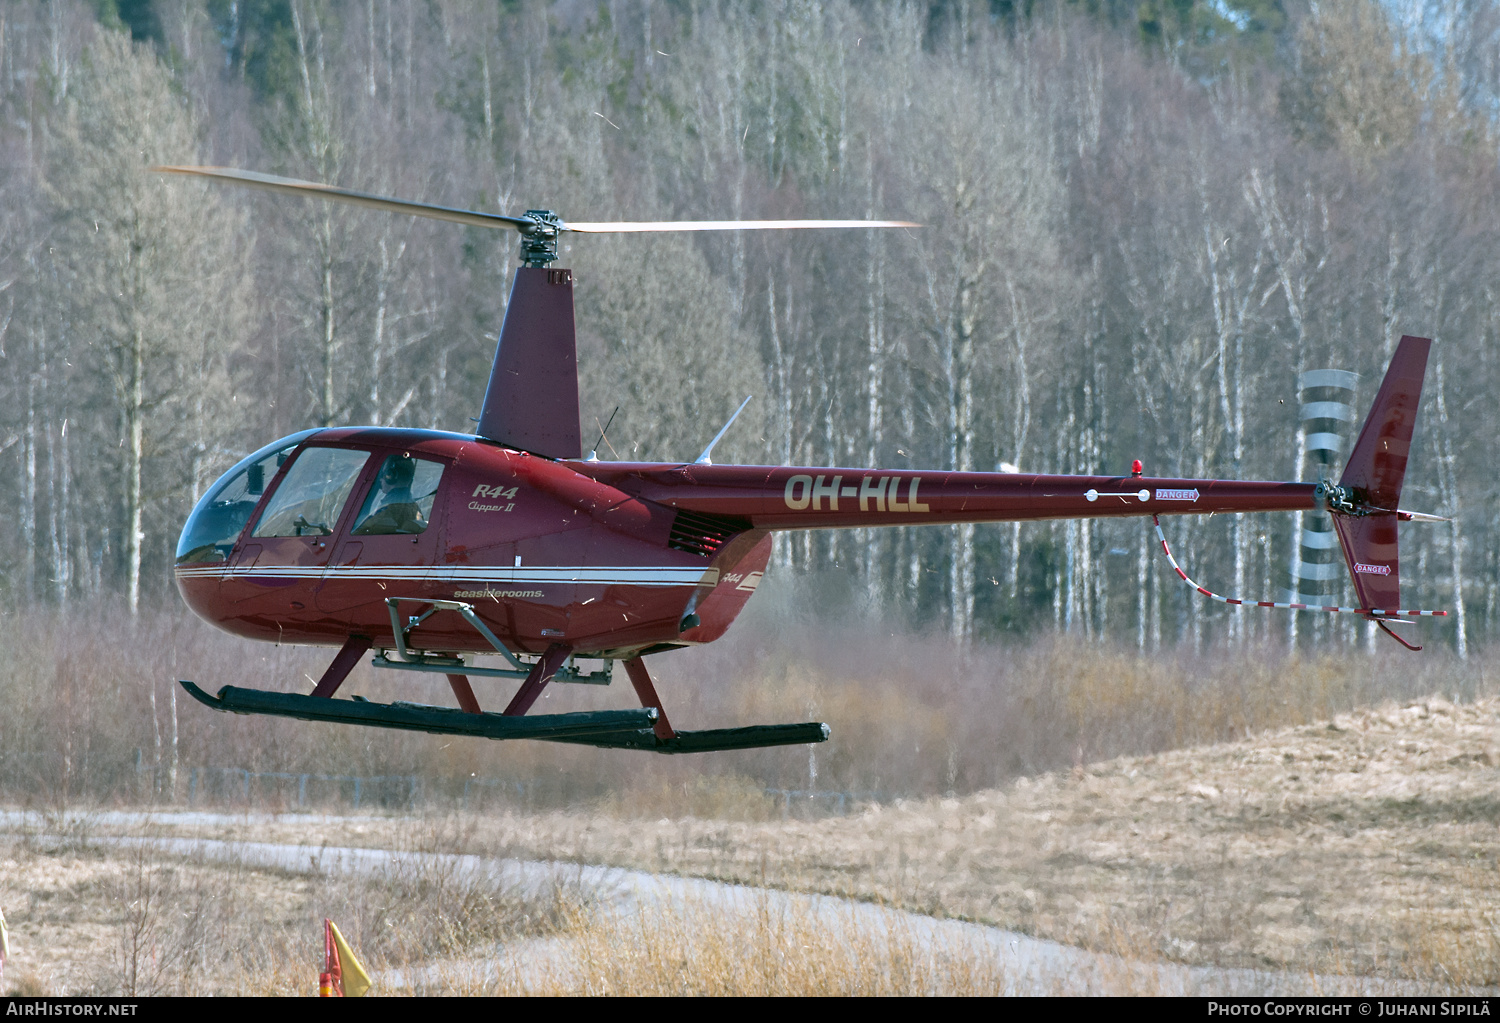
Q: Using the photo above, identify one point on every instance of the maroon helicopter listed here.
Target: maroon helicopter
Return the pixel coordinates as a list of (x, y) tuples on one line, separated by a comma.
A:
[(433, 549)]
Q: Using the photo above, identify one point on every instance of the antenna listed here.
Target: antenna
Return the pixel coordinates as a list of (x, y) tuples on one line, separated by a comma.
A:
[(594, 454), (703, 459)]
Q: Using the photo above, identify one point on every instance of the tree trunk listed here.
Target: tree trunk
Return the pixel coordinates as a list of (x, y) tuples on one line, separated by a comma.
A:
[(28, 493), (1143, 589), (958, 364), (135, 450), (64, 568), (873, 540), (377, 342), (328, 412), (1451, 507)]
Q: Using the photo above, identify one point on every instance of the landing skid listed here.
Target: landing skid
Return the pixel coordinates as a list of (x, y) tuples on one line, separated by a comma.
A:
[(607, 729), (583, 726), (643, 729)]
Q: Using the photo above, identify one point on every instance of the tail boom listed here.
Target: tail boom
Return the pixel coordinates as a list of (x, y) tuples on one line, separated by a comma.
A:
[(789, 497)]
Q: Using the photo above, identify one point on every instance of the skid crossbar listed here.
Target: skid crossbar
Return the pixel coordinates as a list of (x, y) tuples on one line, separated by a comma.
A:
[(407, 659), (417, 717)]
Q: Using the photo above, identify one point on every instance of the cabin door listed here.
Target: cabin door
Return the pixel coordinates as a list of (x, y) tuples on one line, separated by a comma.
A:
[(391, 542)]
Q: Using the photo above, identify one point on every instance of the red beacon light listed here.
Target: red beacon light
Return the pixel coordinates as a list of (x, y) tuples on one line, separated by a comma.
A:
[(1135, 467)]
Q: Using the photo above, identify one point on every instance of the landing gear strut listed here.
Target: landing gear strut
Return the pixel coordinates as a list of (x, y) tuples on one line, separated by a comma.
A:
[(645, 729)]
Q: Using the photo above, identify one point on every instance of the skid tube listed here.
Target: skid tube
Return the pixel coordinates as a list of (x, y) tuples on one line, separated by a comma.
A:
[(713, 740), (606, 729), (581, 726)]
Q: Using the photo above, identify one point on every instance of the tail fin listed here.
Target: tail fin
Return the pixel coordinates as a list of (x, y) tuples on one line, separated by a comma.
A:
[(1377, 465), (1370, 490)]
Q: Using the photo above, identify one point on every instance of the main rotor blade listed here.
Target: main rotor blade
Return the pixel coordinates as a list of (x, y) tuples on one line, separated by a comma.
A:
[(726, 225), (526, 225), (291, 186)]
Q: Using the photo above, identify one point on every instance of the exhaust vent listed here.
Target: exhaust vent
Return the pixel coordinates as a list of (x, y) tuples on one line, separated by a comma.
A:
[(702, 534)]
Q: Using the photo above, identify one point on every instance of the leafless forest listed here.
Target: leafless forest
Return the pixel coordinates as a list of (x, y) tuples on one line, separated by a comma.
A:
[(1146, 222), (1141, 227)]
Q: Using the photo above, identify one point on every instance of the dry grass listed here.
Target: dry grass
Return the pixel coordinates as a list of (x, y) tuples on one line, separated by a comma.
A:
[(89, 714), (1359, 847), (1364, 845), (773, 949), (89, 917), (106, 920), (1196, 809), (1457, 939), (430, 929)]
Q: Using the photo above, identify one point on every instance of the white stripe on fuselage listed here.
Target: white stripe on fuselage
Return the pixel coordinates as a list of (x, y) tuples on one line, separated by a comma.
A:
[(625, 575)]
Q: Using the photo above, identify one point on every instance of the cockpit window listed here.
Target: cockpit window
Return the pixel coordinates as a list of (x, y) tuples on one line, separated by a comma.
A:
[(401, 498), (312, 494), (220, 517)]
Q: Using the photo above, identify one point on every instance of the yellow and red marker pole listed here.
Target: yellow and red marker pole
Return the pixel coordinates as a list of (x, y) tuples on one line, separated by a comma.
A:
[(331, 980), (343, 975)]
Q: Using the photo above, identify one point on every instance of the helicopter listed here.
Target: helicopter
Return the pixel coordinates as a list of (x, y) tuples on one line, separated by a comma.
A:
[(430, 550)]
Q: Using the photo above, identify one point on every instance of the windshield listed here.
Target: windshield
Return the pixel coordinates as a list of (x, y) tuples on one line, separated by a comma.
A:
[(219, 518), (310, 497)]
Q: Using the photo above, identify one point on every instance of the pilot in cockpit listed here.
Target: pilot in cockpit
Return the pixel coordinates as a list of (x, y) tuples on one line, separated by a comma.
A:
[(391, 508)]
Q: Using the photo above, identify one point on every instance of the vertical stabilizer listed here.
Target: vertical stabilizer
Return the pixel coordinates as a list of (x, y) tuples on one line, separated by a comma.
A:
[(1373, 478), (531, 403), (1369, 544), (1377, 465)]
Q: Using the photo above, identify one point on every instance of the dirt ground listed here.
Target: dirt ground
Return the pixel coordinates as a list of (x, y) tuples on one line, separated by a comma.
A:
[(1364, 845)]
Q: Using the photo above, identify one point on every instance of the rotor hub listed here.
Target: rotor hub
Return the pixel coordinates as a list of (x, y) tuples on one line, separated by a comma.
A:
[(1332, 497), (539, 240)]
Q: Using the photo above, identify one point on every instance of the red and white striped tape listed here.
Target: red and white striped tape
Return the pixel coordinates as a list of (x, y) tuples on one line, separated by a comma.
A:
[(1368, 612)]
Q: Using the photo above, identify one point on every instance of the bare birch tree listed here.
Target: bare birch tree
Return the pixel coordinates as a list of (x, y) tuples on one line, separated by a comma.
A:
[(154, 273)]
